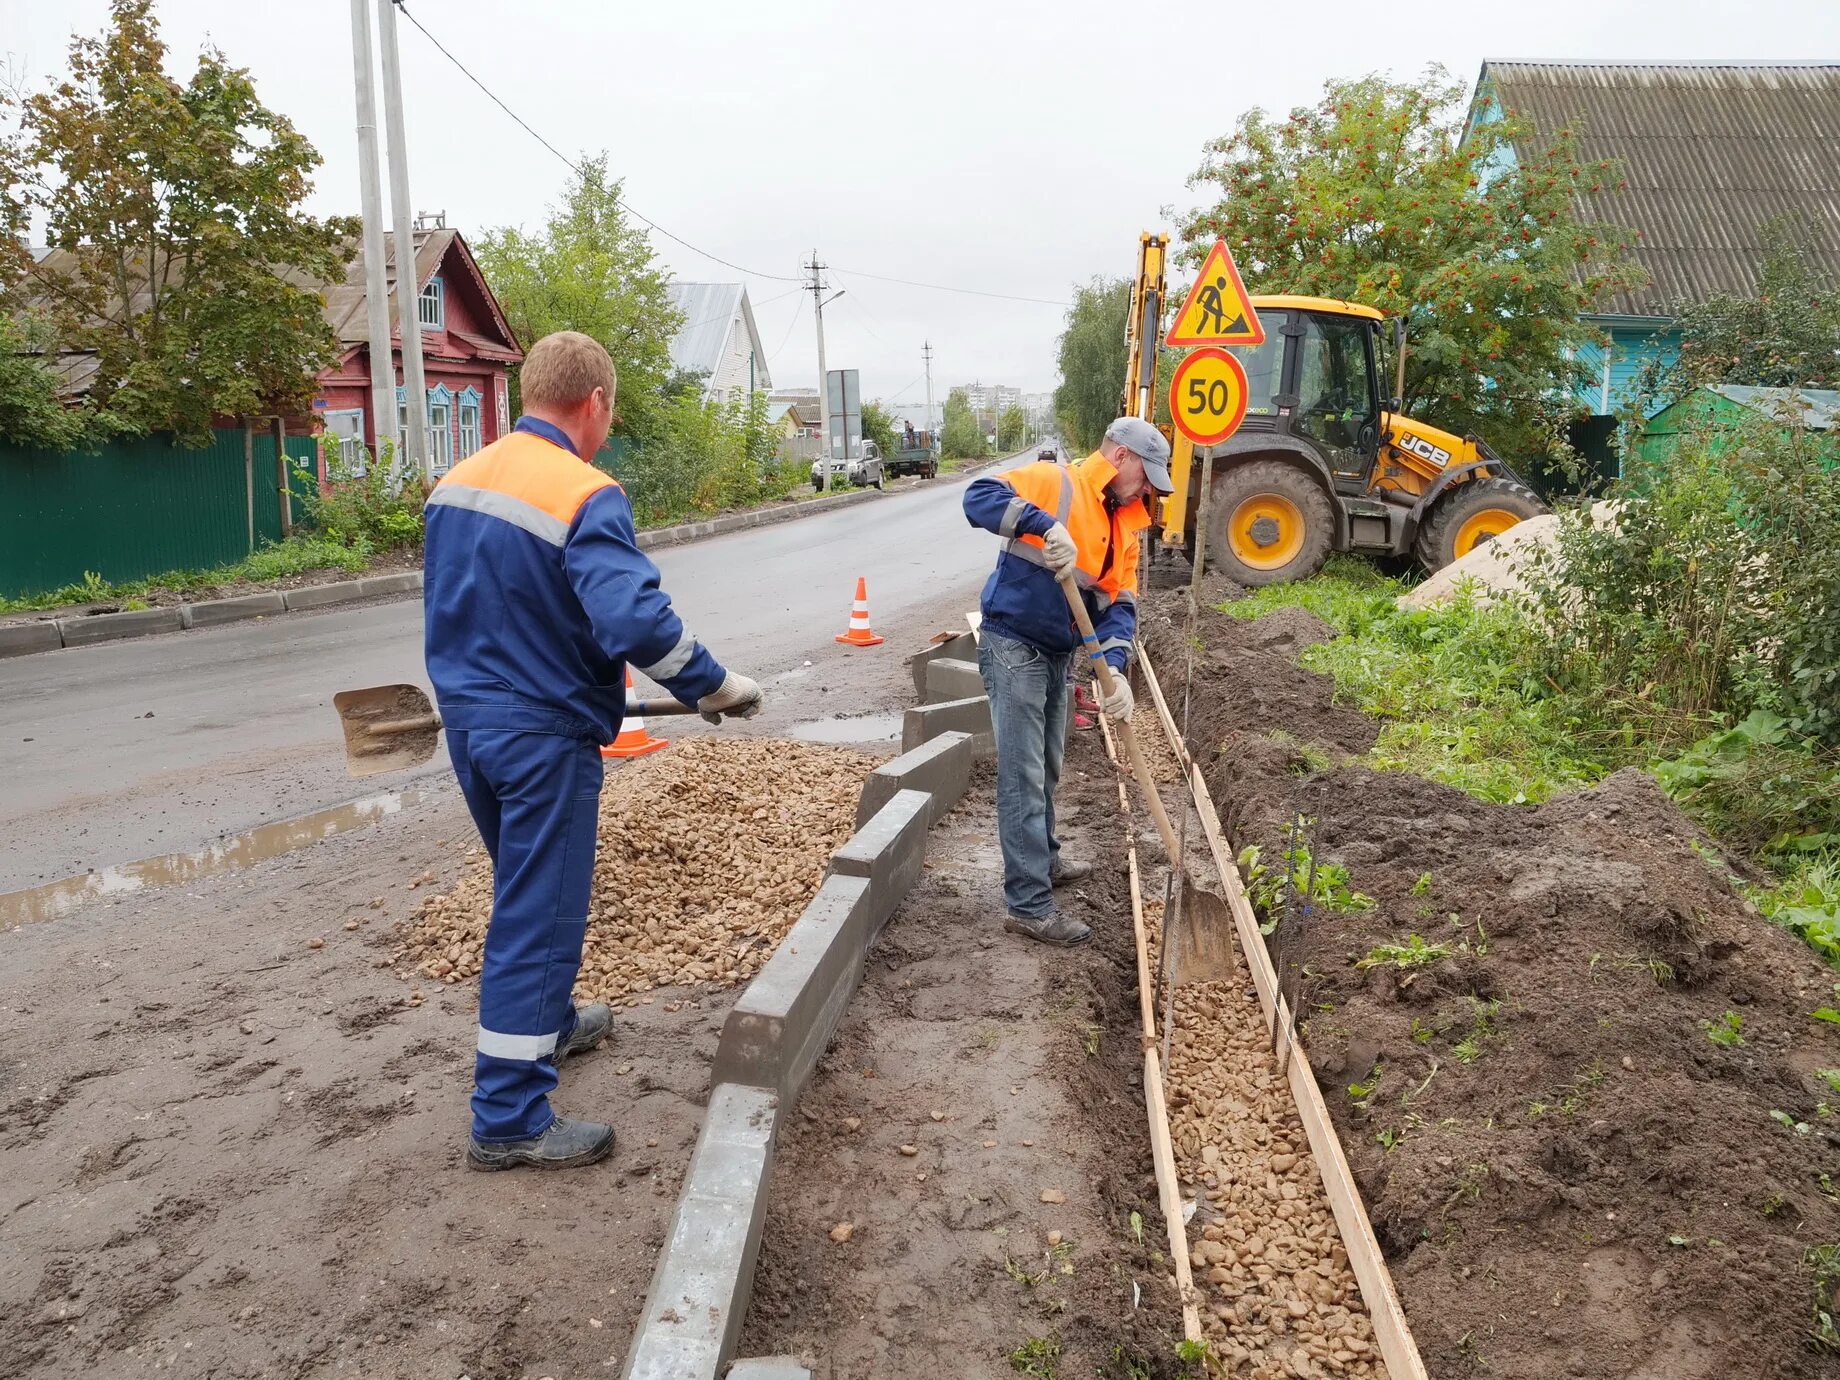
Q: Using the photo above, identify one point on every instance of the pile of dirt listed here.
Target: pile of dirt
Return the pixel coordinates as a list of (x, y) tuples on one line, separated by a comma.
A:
[(707, 855), (1569, 1173)]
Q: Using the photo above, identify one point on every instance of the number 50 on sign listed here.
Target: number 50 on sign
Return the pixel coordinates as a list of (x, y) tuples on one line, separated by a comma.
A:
[(1207, 396)]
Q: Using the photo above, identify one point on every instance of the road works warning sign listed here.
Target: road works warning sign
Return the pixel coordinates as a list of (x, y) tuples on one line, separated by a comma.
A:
[(1218, 311), (1207, 396)]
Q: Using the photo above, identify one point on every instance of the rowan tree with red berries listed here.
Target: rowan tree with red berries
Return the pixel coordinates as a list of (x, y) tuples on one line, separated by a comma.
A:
[(1383, 193)]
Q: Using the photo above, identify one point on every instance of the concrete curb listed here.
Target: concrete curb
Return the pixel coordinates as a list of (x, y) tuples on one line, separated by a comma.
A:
[(771, 1042), (776, 1033), (769, 1368), (318, 596), (23, 639), (705, 1273), (948, 678), (970, 715), (214, 611), (112, 627), (940, 766), (957, 646)]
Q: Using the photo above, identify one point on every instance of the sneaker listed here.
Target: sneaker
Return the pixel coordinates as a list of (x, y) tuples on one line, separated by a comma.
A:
[(1085, 722), (564, 1145), (1083, 698), (592, 1024), (1062, 931), (1064, 873)]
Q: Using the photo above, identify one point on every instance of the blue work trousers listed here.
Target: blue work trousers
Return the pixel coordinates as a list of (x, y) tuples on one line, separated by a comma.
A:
[(536, 800), (1028, 710)]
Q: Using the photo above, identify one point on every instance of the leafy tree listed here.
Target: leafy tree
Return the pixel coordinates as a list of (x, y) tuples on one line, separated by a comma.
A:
[(592, 269), (1787, 336), (962, 435), (878, 426), (1092, 359), (30, 412), (1012, 428), (188, 267), (1376, 195)]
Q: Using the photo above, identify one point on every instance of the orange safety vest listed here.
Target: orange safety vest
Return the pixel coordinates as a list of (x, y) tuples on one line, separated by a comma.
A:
[(1075, 494)]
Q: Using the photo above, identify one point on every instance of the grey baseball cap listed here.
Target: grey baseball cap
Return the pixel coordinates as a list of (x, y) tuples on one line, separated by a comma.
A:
[(1147, 444)]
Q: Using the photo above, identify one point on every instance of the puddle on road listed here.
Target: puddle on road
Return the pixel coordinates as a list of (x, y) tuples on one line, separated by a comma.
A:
[(53, 899), (865, 728)]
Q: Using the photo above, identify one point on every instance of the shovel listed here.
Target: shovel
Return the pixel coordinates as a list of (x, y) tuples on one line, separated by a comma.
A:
[(394, 727), (1201, 945)]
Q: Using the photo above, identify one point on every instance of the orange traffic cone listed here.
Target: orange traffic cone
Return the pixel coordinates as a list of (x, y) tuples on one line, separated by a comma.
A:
[(633, 740), (859, 634)]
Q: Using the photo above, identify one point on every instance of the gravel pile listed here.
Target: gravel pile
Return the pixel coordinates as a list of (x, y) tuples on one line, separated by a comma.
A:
[(1279, 1298), (708, 852)]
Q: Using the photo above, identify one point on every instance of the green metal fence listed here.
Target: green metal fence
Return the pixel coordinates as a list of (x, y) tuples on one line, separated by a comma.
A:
[(135, 508)]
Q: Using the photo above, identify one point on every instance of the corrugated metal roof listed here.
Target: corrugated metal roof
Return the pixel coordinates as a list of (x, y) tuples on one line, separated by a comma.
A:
[(1819, 408), (709, 313), (1711, 151)]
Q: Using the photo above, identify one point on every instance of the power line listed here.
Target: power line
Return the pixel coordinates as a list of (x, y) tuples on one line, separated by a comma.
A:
[(941, 287), (576, 167), (797, 313)]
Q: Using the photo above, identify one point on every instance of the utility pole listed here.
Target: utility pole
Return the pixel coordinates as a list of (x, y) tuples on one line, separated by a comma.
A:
[(818, 300), (926, 353), (408, 288), (376, 295)]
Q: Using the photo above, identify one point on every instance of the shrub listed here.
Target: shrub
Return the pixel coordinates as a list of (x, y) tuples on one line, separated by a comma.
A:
[(1713, 592), (373, 511)]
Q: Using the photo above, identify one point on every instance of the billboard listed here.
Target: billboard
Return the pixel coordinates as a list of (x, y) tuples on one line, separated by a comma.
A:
[(843, 414)]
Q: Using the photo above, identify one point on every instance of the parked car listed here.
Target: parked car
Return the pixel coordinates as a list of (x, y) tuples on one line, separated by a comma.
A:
[(864, 471)]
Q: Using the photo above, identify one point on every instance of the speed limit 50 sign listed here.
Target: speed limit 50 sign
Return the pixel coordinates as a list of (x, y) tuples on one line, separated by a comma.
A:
[(1207, 396)]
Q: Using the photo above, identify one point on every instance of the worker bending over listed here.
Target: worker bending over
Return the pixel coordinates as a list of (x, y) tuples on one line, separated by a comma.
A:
[(1082, 519), (536, 598)]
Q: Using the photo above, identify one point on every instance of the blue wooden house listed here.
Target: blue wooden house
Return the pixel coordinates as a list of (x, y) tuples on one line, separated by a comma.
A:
[(1710, 152)]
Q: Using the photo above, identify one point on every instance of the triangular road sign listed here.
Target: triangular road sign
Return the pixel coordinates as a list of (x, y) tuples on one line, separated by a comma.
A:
[(1218, 311)]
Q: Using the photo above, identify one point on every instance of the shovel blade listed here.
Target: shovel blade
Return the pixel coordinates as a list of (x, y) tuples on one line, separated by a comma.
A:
[(1203, 942), (362, 712)]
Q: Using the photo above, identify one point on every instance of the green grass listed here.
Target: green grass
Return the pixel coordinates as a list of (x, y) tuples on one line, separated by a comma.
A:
[(1459, 702), (1462, 701), (275, 562), (1036, 1357)]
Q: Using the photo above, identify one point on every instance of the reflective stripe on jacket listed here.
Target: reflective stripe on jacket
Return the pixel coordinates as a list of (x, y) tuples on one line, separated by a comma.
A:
[(536, 595), (1022, 599)]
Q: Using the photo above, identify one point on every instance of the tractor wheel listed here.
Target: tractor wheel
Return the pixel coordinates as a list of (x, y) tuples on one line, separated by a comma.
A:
[(1471, 514), (1270, 523)]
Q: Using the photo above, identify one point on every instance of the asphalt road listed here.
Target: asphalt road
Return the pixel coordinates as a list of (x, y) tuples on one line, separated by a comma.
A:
[(130, 749)]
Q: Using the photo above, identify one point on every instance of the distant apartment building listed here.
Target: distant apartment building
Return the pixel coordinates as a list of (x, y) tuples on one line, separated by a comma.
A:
[(991, 399)]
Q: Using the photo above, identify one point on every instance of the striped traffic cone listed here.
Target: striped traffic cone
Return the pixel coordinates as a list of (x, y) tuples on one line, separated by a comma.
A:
[(859, 634), (633, 740)]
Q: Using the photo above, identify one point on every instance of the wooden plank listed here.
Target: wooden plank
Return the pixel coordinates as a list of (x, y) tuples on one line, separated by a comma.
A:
[(1364, 1258), (1162, 1148)]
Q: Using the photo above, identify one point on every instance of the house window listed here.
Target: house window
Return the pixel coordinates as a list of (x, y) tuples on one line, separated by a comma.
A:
[(347, 424), (433, 308), (440, 429), (468, 413)]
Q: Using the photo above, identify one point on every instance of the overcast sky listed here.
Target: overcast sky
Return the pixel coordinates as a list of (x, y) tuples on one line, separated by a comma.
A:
[(989, 144)]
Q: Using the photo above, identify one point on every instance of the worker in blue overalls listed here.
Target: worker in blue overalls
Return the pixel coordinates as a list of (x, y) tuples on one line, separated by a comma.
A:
[(537, 598)]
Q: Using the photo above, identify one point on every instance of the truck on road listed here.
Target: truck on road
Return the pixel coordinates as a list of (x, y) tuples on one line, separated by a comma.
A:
[(919, 454)]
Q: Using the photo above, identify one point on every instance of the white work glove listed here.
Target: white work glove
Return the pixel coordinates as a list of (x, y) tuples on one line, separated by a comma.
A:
[(736, 697), (1117, 706), (1057, 546)]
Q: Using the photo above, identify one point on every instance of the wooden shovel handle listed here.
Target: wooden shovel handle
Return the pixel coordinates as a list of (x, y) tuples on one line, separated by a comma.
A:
[(1139, 767)]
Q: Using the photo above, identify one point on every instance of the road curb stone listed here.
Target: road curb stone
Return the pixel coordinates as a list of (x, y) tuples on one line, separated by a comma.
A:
[(112, 627), (213, 611), (23, 639)]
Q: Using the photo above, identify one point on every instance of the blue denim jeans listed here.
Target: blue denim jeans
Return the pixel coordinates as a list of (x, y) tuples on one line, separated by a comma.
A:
[(1028, 711)]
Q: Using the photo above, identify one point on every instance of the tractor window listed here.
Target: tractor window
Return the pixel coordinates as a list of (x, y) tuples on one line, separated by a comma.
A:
[(1334, 387), (1264, 365)]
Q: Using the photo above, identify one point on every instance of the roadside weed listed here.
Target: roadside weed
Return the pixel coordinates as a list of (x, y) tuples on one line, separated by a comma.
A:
[(1414, 953), (1037, 1357), (1824, 1261), (1422, 885), (1726, 1031)]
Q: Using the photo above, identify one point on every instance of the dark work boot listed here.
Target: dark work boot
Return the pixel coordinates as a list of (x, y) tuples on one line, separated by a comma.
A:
[(1065, 873), (591, 1026), (1063, 931), (564, 1145)]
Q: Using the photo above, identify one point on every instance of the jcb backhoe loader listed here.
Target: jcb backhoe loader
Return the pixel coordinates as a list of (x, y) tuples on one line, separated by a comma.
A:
[(1323, 462)]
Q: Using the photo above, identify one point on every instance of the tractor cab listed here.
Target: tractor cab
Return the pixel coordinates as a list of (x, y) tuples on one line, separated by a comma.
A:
[(1316, 380)]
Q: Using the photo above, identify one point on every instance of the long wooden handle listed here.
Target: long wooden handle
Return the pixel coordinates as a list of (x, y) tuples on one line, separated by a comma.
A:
[(1139, 767)]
